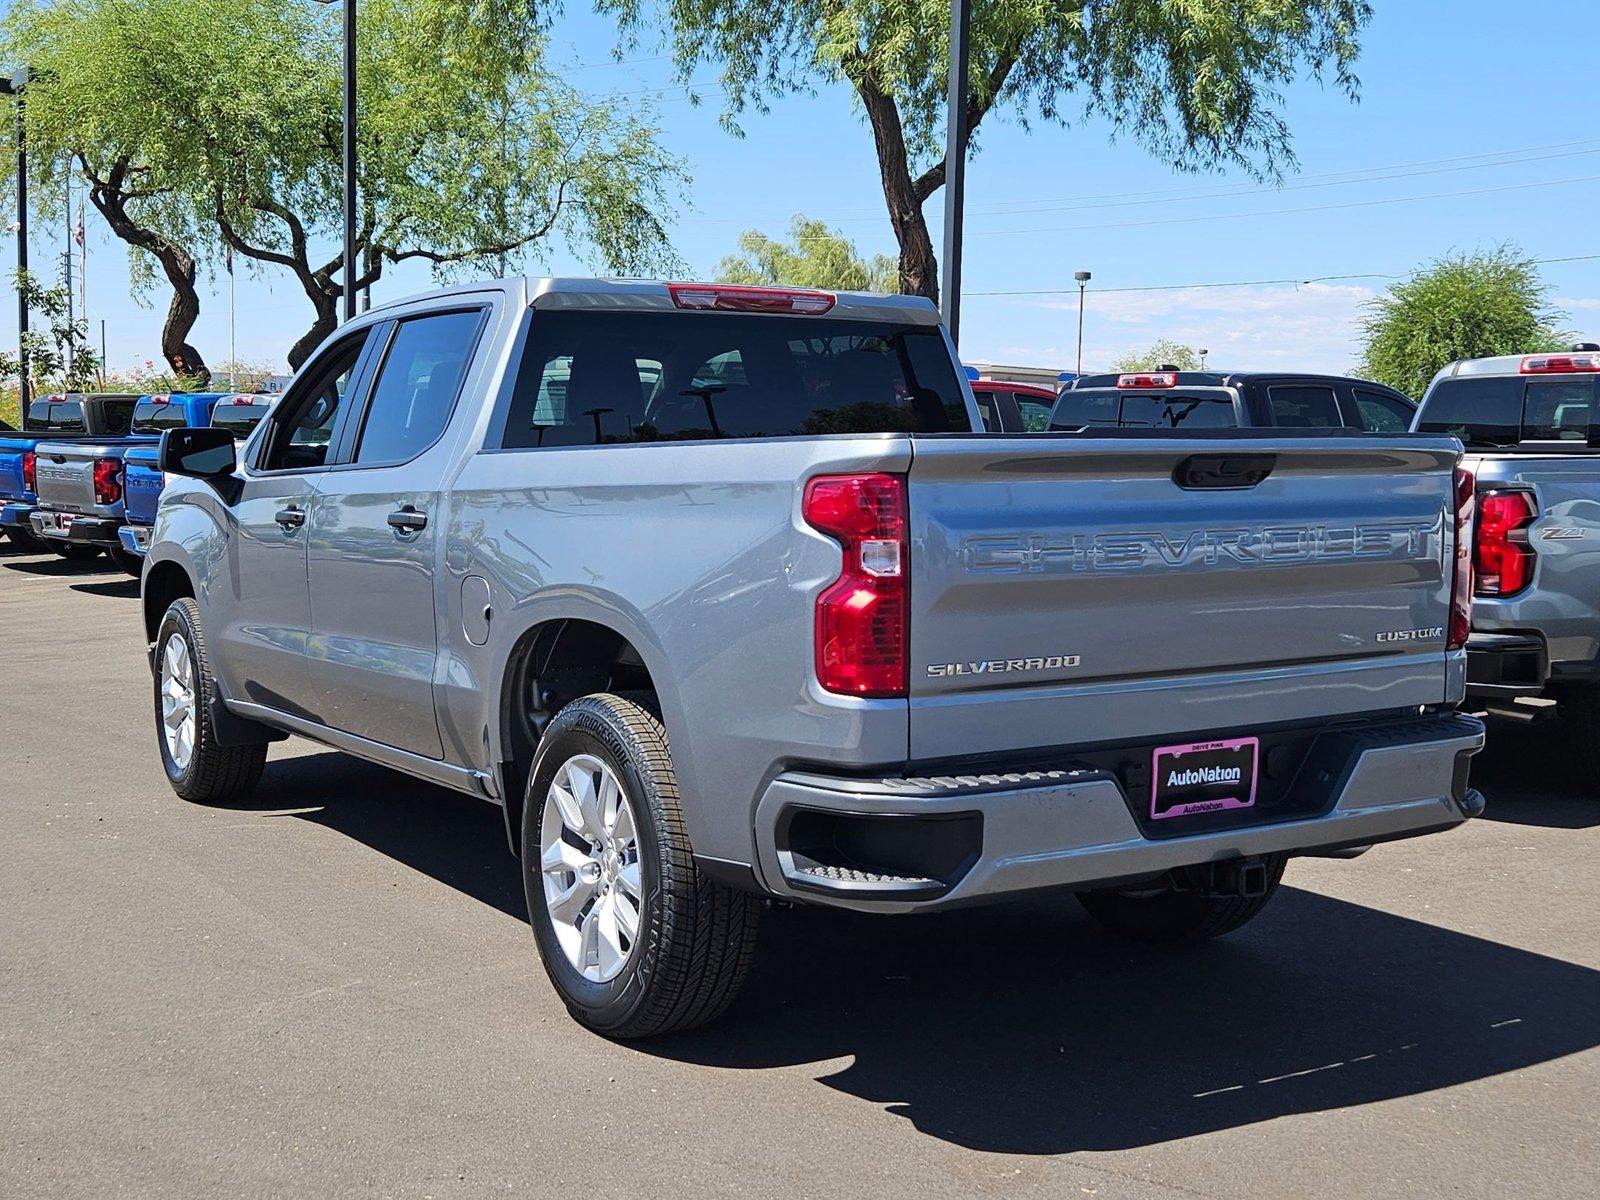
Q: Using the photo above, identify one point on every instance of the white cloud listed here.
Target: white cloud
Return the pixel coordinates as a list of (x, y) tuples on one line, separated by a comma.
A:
[(1578, 303)]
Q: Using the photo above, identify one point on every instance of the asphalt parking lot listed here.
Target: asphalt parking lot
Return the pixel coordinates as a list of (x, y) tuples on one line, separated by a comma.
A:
[(332, 992)]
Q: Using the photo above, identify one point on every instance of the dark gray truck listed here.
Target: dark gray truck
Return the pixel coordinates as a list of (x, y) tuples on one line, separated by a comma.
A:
[(1531, 425), (699, 583)]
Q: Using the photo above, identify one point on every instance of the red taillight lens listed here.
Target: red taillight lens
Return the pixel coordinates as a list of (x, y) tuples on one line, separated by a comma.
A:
[(1505, 558), (1160, 379), (862, 618), (1461, 575), (107, 484), (732, 297), (30, 471)]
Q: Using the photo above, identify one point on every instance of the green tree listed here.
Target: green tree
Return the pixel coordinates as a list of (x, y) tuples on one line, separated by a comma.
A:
[(58, 357), (218, 122), (814, 256), (1164, 352), (1459, 306), (1198, 82)]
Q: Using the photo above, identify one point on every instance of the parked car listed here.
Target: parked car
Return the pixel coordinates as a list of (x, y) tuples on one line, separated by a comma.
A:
[(142, 477), (1531, 424), (1013, 407), (81, 499), (57, 418), (715, 620), (1173, 399)]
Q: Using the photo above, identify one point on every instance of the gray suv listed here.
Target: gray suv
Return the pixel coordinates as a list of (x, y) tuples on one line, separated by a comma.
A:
[(700, 585)]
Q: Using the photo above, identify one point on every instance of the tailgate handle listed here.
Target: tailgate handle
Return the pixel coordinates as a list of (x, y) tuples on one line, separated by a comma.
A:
[(1223, 470)]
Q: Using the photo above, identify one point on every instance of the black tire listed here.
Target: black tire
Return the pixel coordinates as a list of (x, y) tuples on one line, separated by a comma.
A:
[(73, 551), (26, 540), (696, 937), (213, 773), (1580, 712), (130, 562), (1170, 915)]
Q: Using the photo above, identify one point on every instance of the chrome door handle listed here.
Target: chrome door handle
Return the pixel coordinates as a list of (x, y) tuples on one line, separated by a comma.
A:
[(291, 517), (408, 520)]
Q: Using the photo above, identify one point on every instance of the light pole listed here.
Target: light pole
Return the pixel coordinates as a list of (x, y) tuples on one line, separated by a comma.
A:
[(1083, 278), (1203, 353), (955, 165), (349, 90), (14, 87)]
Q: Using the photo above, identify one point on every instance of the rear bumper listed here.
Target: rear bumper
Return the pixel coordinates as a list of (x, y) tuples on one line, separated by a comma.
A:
[(995, 835), (135, 539), (69, 527), (1506, 665), (14, 514)]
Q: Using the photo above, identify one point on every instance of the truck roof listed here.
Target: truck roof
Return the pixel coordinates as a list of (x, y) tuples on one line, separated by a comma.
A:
[(658, 294), (1509, 364)]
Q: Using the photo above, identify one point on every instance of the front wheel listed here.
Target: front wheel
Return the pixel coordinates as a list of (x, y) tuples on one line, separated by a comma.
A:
[(1170, 914), (635, 939), (197, 767)]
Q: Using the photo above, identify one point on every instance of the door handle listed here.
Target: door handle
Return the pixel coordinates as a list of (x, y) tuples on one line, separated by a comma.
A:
[(408, 520), (291, 517)]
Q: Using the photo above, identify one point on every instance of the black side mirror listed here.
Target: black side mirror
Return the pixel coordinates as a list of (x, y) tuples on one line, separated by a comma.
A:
[(207, 453)]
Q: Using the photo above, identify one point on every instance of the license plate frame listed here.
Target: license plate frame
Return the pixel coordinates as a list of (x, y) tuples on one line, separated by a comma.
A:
[(1183, 789)]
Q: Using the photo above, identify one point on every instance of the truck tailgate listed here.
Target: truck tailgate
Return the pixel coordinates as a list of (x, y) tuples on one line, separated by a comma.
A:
[(64, 476), (1071, 592)]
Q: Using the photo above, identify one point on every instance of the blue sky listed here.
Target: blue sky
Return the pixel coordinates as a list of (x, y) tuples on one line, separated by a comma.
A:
[(1474, 127)]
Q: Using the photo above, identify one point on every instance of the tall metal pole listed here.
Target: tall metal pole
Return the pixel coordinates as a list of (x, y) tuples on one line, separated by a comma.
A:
[(349, 159), (14, 86), (68, 271), (1083, 278), (955, 166)]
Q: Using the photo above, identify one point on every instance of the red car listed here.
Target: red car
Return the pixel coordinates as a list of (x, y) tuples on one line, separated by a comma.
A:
[(1013, 407)]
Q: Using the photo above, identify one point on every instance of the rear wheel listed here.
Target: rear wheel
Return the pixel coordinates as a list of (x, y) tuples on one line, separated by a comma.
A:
[(635, 939), (1580, 711), (1168, 914), (197, 767), (26, 539), (130, 562), (73, 551)]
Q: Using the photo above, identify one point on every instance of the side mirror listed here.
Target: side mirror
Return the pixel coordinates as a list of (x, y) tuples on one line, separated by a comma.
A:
[(207, 453)]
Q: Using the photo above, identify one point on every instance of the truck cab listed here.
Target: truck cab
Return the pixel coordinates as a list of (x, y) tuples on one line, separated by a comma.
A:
[(1169, 398)]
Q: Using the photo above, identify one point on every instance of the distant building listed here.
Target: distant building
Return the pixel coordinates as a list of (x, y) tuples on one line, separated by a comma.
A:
[(1038, 376)]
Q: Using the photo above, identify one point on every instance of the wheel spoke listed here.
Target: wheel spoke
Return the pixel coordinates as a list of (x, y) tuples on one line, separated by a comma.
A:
[(566, 906), (571, 816), (623, 834), (628, 877), (560, 856), (608, 938), (627, 916), (582, 782)]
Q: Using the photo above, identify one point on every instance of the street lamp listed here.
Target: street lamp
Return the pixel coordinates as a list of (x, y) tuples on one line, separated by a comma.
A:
[(1203, 353), (1083, 278), (14, 87), (349, 90)]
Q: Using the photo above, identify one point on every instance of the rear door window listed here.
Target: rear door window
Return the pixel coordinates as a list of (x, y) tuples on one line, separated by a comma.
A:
[(1382, 413), (1487, 410), (417, 385), (1108, 408), (1298, 406), (1555, 410), (1034, 412), (592, 378)]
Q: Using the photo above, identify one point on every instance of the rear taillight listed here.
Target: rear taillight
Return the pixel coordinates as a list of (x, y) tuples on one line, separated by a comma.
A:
[(1159, 379), (862, 617), (1503, 563), (1461, 575), (107, 484), (30, 471)]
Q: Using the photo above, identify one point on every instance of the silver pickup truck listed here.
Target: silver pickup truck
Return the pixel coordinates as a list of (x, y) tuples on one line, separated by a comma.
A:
[(1531, 424), (717, 594)]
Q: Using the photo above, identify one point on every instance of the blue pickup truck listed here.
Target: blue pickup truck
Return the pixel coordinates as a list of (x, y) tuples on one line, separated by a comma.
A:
[(81, 484), (143, 479), (57, 418)]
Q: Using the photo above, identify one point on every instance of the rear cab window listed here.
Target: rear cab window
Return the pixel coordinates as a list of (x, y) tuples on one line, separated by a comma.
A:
[(240, 414), (1491, 411), (155, 413), (1109, 408), (55, 416), (601, 378)]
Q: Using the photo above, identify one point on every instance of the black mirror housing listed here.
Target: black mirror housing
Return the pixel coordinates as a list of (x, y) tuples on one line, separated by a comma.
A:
[(206, 453)]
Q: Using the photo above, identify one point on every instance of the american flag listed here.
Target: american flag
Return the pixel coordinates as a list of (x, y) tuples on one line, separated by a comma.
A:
[(78, 234)]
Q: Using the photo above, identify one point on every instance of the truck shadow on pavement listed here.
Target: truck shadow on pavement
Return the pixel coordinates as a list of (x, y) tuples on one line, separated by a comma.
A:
[(1530, 777), (62, 567), (1023, 1029)]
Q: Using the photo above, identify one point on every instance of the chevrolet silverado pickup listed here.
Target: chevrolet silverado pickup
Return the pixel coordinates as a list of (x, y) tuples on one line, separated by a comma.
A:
[(1169, 398), (142, 477), (1531, 425), (698, 583), (57, 418)]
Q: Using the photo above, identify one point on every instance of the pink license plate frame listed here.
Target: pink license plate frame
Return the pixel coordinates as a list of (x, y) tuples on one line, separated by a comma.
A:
[(1221, 798)]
